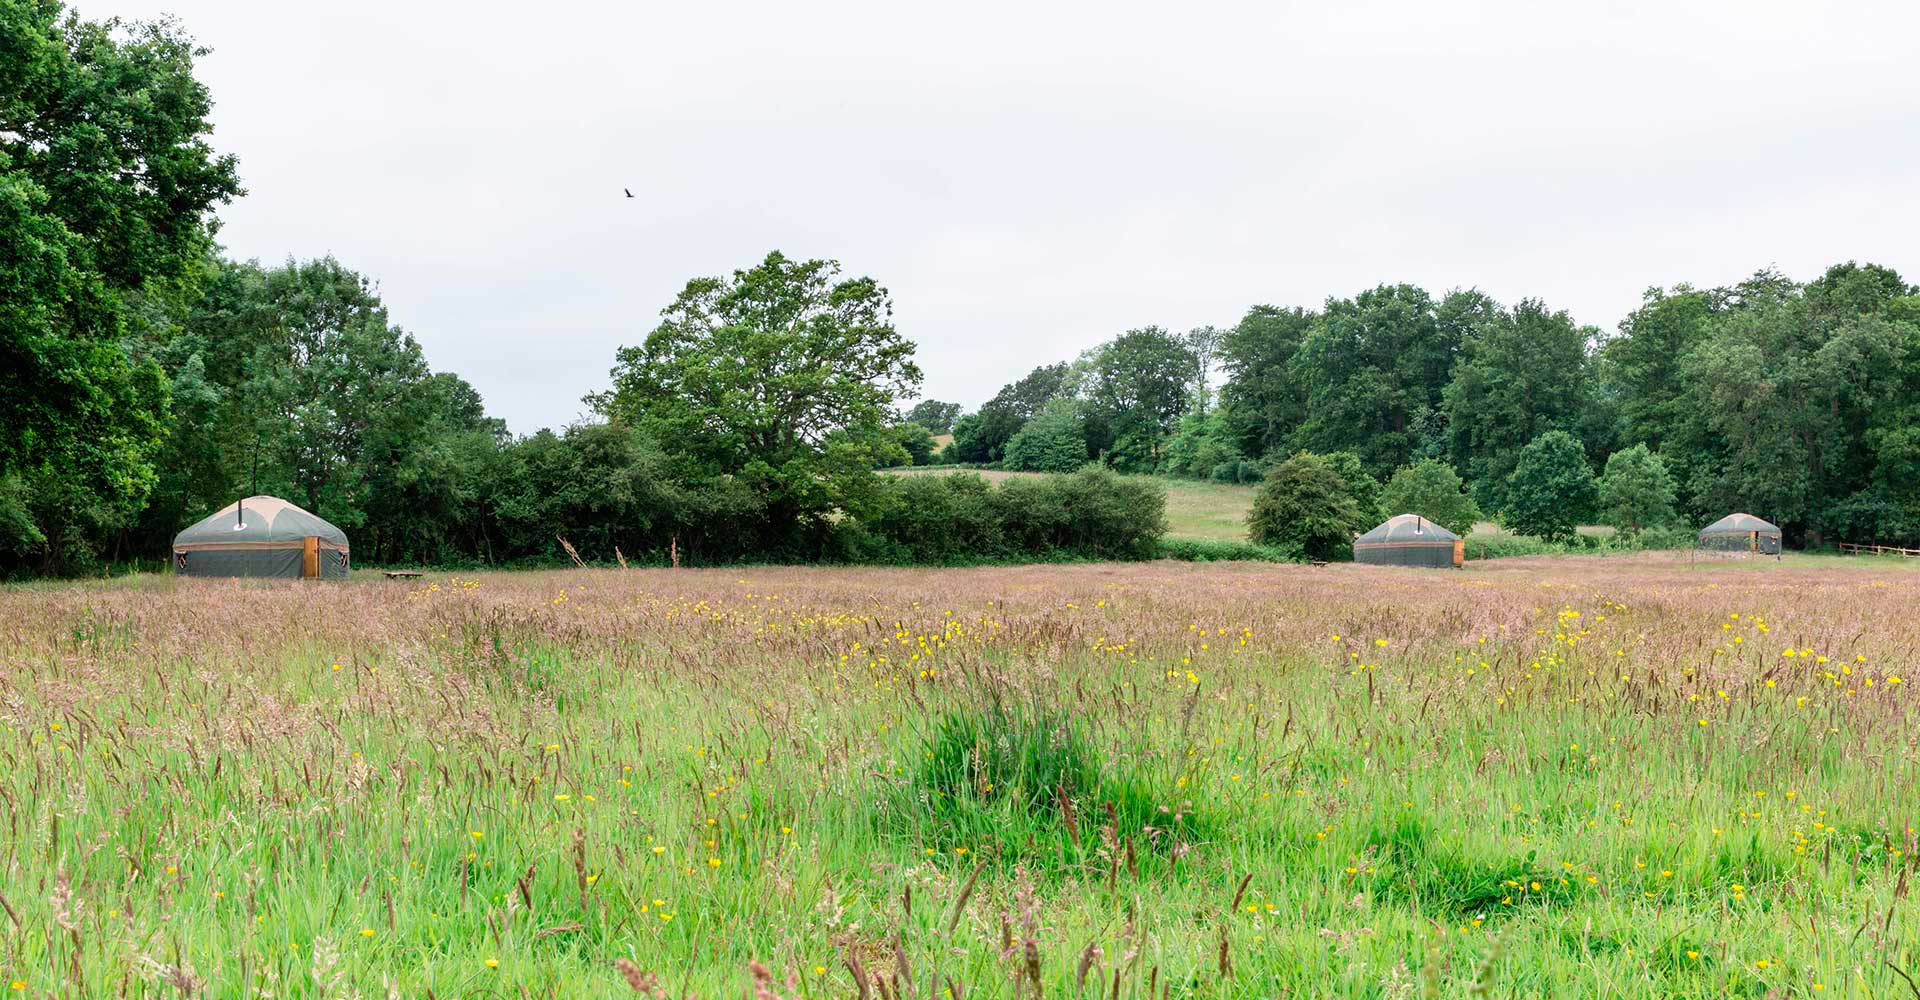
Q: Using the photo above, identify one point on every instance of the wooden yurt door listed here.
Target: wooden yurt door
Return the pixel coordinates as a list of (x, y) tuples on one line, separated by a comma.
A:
[(310, 558)]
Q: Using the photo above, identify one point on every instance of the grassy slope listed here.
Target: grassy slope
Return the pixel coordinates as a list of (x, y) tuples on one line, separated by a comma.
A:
[(1564, 777)]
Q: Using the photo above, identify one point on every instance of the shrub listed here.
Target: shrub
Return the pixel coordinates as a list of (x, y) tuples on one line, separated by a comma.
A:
[(1636, 492), (1054, 441), (1238, 471), (1132, 452), (1551, 490), (930, 519), (1361, 485), (1434, 491), (1306, 506), (1198, 447), (961, 518), (917, 440), (1112, 517)]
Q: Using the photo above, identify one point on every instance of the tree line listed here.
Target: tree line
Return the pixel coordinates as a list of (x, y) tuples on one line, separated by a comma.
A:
[(1791, 400), (150, 379)]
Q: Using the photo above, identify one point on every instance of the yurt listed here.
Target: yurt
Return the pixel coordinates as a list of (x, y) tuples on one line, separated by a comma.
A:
[(1410, 540), (1741, 533), (262, 536)]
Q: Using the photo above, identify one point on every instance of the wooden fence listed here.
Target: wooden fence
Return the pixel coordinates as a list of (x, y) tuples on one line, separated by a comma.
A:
[(1849, 548)]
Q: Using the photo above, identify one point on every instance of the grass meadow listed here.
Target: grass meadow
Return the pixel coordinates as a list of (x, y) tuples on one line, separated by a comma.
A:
[(1553, 777)]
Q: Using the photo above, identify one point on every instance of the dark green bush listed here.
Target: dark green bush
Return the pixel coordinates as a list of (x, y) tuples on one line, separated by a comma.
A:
[(1053, 441), (1091, 514), (1306, 504), (1434, 491)]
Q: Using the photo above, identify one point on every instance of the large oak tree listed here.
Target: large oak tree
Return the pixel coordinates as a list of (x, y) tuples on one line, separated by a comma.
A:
[(781, 376)]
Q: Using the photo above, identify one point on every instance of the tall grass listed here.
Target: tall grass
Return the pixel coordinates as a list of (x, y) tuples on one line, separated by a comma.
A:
[(1540, 779)]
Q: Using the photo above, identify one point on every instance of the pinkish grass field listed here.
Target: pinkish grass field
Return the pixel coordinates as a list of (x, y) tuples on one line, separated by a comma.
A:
[(1550, 777)]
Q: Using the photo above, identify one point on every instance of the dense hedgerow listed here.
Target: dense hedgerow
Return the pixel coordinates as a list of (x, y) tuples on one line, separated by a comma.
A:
[(1092, 514), (1218, 550), (1482, 546)]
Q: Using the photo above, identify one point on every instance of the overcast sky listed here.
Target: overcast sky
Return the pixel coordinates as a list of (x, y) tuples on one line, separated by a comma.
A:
[(1032, 179)]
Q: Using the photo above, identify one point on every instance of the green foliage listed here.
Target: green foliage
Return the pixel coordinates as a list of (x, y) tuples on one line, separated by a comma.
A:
[(1053, 441), (1522, 372), (960, 518), (935, 416), (983, 436), (779, 377), (1791, 390), (1240, 472), (1647, 362), (293, 381), (1305, 506), (1361, 485), (1204, 343), (916, 441), (1371, 366), (1499, 546), (1551, 490), (1140, 383), (1198, 445), (1434, 491), (1636, 492), (149, 381), (106, 192), (1265, 398)]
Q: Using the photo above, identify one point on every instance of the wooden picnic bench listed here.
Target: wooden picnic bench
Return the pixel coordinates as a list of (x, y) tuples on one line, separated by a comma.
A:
[(402, 574)]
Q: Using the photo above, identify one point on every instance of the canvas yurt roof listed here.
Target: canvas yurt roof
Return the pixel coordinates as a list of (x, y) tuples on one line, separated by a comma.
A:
[(258, 522), (1739, 524), (1405, 529), (261, 536)]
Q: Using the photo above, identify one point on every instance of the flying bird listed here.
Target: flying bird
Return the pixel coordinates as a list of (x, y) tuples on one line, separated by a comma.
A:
[(629, 193)]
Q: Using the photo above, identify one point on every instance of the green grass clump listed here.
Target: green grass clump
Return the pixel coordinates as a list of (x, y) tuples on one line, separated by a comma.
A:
[(1024, 784)]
